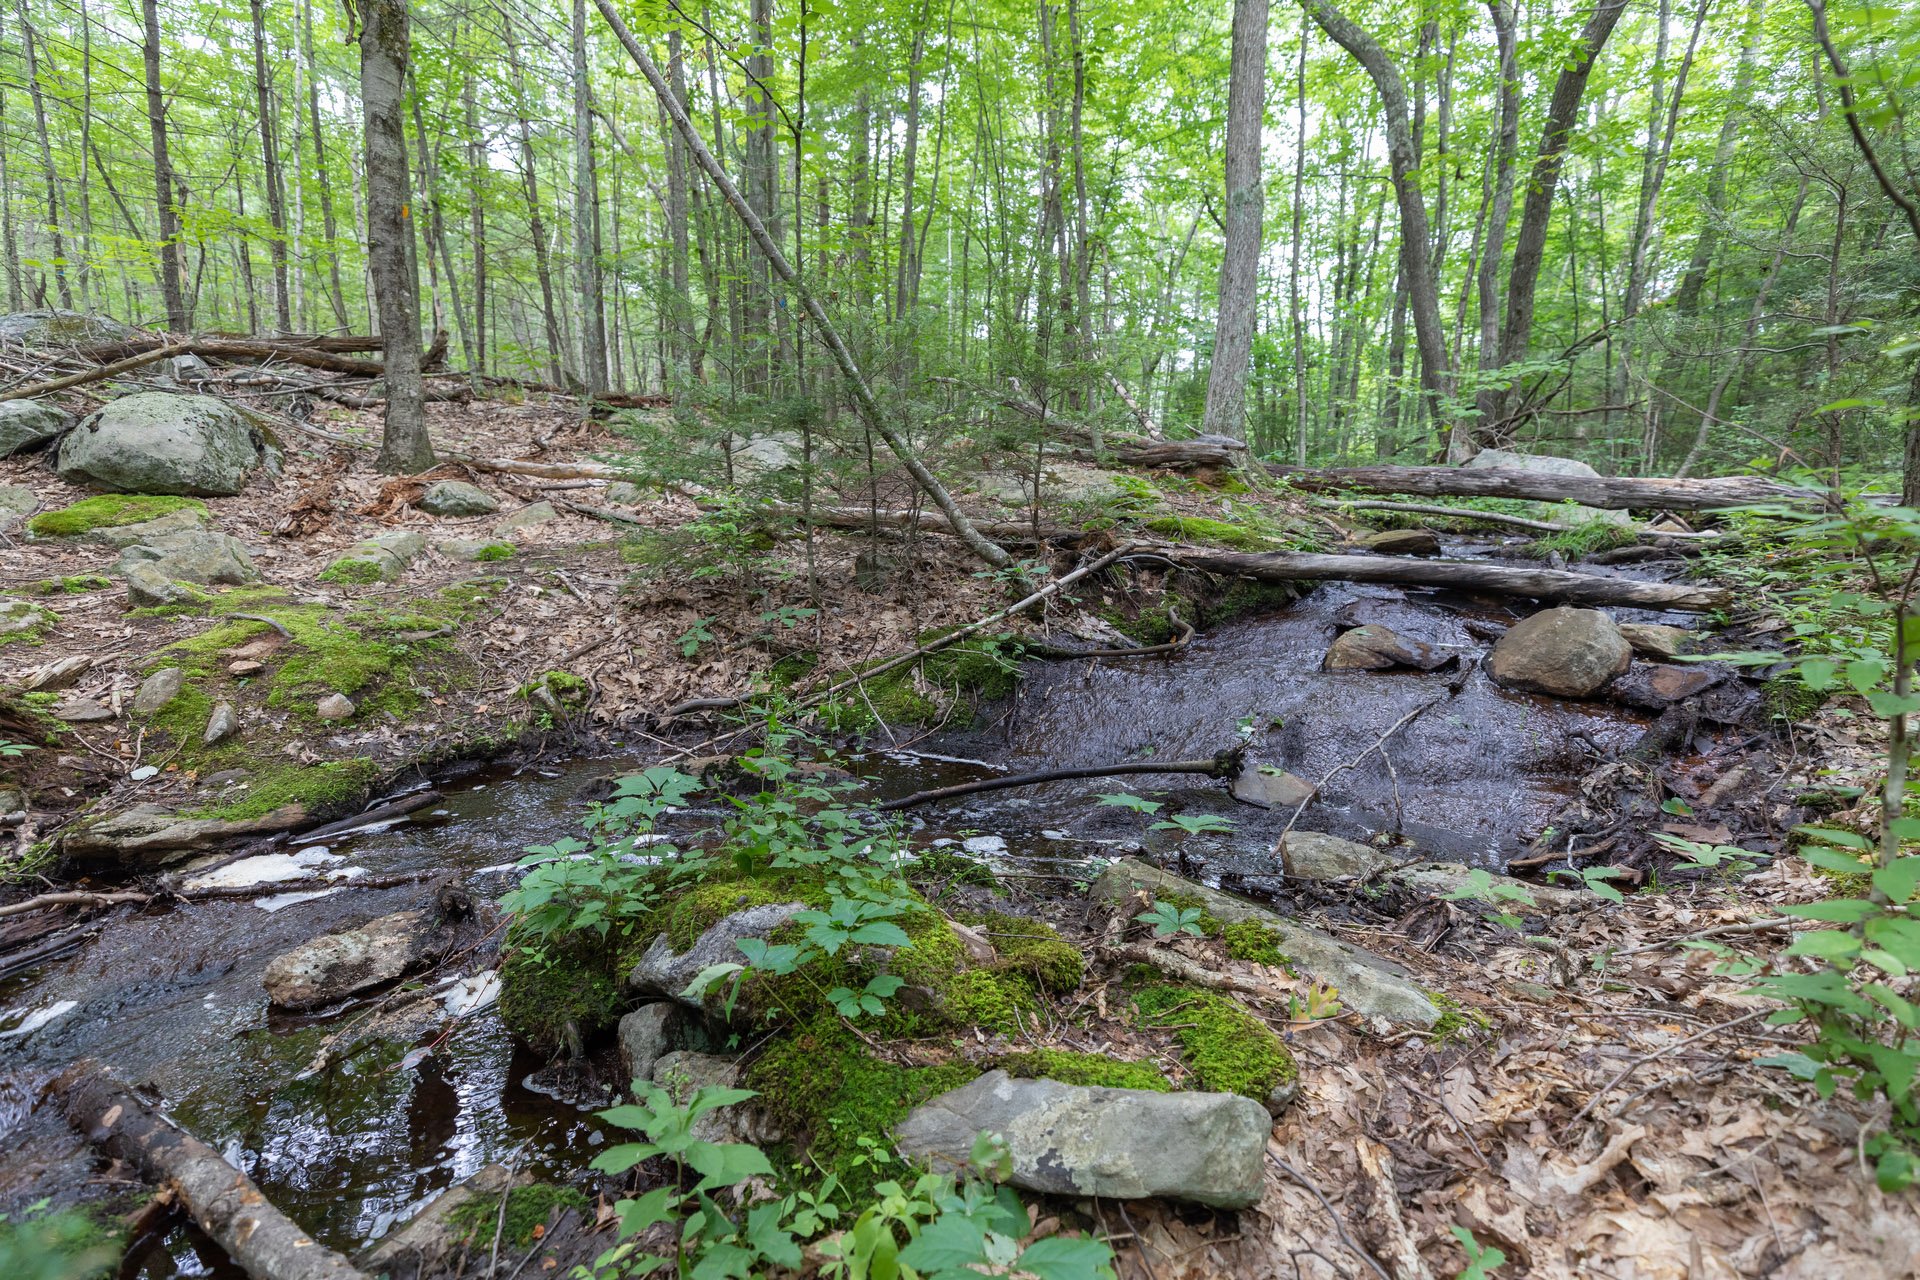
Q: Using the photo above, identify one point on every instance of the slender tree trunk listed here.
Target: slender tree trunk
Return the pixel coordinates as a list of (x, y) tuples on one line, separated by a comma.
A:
[(1295, 317), (1686, 298), (760, 168), (30, 42), (680, 297), (476, 221), (1492, 253), (907, 270), (536, 225), (335, 294), (586, 218), (270, 158), (9, 238), (1240, 264), (437, 224), (177, 319), (404, 448)]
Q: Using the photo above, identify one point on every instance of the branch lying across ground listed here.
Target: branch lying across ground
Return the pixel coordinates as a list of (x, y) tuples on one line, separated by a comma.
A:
[(1482, 517), (1224, 765), (1613, 492), (1552, 585), (224, 1202)]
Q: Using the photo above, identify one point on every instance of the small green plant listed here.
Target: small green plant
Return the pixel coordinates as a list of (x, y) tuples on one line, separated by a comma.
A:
[(1701, 856), (1481, 1259), (1194, 824), (1122, 800), (1479, 886), (10, 750), (64, 1245), (695, 637), (1168, 920), (1594, 879), (494, 551)]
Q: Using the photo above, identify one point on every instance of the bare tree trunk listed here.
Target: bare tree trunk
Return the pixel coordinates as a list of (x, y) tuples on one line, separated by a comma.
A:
[(586, 218), (536, 225), (177, 319), (404, 447), (437, 224), (907, 268), (1225, 413), (335, 294), (680, 301), (476, 222), (9, 240), (758, 317), (1507, 141), (270, 157), (1686, 298), (30, 41), (1295, 317)]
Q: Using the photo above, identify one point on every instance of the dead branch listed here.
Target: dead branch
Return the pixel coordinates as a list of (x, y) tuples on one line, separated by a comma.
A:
[(73, 898), (1613, 492), (1225, 765)]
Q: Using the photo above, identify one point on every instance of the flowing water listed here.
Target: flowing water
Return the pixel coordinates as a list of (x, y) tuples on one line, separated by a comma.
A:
[(171, 999)]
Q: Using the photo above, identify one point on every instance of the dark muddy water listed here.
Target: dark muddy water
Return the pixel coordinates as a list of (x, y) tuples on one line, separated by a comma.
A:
[(172, 998)]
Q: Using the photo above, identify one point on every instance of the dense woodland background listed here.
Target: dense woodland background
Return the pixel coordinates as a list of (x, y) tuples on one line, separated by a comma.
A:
[(1643, 234)]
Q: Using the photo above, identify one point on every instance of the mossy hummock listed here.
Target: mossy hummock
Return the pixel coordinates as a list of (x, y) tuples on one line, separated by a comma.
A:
[(107, 510), (1228, 1049)]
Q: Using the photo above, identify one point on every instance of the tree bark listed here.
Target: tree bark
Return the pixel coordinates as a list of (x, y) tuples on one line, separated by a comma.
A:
[(30, 42), (1488, 399), (536, 225), (224, 1202), (1610, 492), (1225, 412), (586, 218), (856, 381), (270, 158), (1551, 585), (177, 318), (680, 297), (335, 294), (384, 48), (476, 221)]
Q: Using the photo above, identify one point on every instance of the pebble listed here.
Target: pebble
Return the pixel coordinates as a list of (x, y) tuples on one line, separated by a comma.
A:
[(335, 706), (245, 667), (144, 772), (221, 724)]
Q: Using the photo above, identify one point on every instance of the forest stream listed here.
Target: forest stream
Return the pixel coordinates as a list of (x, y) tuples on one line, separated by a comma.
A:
[(171, 997)]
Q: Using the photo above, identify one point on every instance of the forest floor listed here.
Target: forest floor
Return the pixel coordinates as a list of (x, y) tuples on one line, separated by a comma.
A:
[(1597, 1109)]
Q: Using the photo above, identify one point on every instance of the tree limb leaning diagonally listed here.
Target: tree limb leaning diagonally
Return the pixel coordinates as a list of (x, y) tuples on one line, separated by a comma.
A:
[(987, 550)]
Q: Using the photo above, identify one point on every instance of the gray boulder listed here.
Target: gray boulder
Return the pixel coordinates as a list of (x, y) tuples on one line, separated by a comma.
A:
[(625, 493), (119, 537), (457, 498), (16, 503), (1657, 640), (1316, 856), (1120, 1144), (1281, 790), (46, 329), (193, 556), (148, 588), (1547, 465), (775, 451), (28, 424), (663, 972), (21, 615), (188, 370), (649, 1034), (158, 689), (221, 725), (1368, 984), (681, 1073), (1374, 648), (1657, 686), (156, 442), (1403, 542), (1569, 653), (527, 517), (380, 559), (337, 965)]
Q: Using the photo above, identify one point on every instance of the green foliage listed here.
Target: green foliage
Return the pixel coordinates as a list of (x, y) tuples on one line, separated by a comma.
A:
[(1229, 1050), (1254, 942), (1584, 539), (1030, 947), (72, 585), (495, 551), (477, 1221), (1480, 886), (67, 1244), (1482, 1260), (106, 511), (1168, 920)]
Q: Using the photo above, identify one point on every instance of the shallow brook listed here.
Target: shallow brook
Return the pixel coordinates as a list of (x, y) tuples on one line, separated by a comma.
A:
[(171, 997)]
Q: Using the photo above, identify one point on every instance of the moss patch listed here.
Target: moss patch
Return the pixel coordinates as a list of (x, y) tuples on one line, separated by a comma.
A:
[(1229, 1050), (319, 788), (945, 687), (108, 510), (942, 868), (1217, 533), (353, 572), (494, 551), (1090, 1069), (1456, 1022), (1031, 947), (1255, 943), (527, 1208), (827, 1089), (1787, 697), (73, 585), (565, 993)]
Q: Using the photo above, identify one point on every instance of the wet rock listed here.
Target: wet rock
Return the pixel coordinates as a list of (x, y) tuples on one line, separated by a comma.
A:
[(1656, 640), (221, 725), (16, 503), (648, 1034), (526, 518), (1570, 653), (1438, 879), (158, 689), (28, 424), (156, 442), (82, 711), (55, 328), (1657, 686), (624, 493), (1403, 542), (1547, 465), (1315, 856), (21, 615), (337, 965), (335, 706), (381, 559), (661, 972), (1374, 648), (1369, 984), (441, 1228), (1120, 1144), (457, 498), (148, 835), (148, 588), (12, 798), (202, 557), (1281, 790)]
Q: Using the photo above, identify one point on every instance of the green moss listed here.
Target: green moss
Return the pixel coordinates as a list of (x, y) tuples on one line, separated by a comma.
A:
[(693, 912), (353, 572), (1229, 1050), (73, 585), (1584, 539), (989, 1000), (1243, 598), (1254, 942), (527, 1207), (319, 789), (494, 551), (1096, 1071), (1209, 923), (840, 1102), (65, 1244), (108, 510), (1032, 947), (943, 688), (1203, 529), (1456, 1022), (944, 868), (565, 993), (1787, 697)]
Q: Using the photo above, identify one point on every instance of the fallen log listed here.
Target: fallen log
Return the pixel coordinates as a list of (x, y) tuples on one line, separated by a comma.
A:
[(1225, 765), (95, 375), (1017, 531), (224, 1202), (254, 350), (1611, 492), (392, 811), (1552, 585)]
